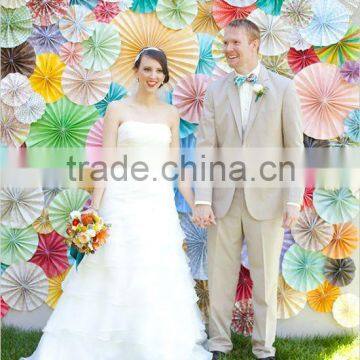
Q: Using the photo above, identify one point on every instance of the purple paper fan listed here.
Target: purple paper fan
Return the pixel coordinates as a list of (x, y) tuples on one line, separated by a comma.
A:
[(287, 242), (350, 71)]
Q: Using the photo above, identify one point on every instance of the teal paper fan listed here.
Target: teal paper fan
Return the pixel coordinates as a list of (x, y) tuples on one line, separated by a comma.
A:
[(144, 6), (116, 92), (206, 62), (186, 128), (352, 125), (90, 4), (336, 206), (302, 269), (271, 7)]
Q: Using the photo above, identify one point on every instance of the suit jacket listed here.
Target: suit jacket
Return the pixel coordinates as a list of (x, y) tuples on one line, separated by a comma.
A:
[(274, 121)]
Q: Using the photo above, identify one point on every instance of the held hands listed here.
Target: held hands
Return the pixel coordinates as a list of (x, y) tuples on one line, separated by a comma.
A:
[(203, 216), (291, 215)]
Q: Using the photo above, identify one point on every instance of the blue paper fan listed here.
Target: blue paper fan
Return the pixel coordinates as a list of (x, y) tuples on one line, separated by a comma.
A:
[(352, 125), (206, 62), (116, 92), (144, 6), (187, 128)]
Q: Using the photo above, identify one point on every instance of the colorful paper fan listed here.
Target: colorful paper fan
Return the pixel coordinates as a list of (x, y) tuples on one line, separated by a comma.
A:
[(64, 124), (322, 298), (90, 4), (63, 204), (15, 89), (20, 206), (32, 110), (24, 286), (85, 87), (297, 13), (299, 59), (50, 193), (138, 31), (346, 310), (206, 62), (344, 242), (46, 39), (350, 72), (48, 12), (311, 232), (328, 25), (17, 244), (15, 26), (352, 125), (188, 96), (196, 241), (204, 21), (202, 291), (244, 286), (187, 128), (270, 7), (176, 14), (4, 308), (51, 254), (296, 40), (102, 48), (302, 269), (42, 224), (55, 289), (12, 132), (289, 301), (348, 48), (219, 56), (78, 24), (116, 92), (288, 241), (340, 272), (336, 206), (12, 4), (71, 53), (325, 100), (274, 33), (278, 64), (240, 3), (244, 255), (224, 13), (308, 197), (243, 317), (46, 79), (20, 59), (94, 141), (105, 11), (144, 6)]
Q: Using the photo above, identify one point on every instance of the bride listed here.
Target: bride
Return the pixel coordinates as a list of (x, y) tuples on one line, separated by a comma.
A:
[(134, 299)]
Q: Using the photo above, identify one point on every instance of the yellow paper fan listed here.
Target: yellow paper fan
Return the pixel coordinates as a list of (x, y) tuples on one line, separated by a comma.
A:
[(322, 298), (55, 290), (42, 224), (141, 30), (204, 21)]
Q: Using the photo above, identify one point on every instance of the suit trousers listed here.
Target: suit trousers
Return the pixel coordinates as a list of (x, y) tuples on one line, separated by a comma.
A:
[(264, 242)]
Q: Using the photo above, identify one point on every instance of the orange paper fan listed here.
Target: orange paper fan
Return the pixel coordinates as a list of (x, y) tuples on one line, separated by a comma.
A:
[(322, 298)]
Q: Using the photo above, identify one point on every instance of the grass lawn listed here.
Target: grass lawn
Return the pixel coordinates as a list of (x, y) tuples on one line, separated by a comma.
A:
[(16, 343)]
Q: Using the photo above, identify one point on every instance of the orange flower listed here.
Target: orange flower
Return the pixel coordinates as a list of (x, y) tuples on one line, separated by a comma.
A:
[(87, 219)]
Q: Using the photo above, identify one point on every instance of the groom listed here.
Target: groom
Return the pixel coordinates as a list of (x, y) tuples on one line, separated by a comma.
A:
[(234, 116)]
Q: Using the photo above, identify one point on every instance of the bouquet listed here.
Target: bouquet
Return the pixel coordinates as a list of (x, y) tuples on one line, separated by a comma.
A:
[(86, 233)]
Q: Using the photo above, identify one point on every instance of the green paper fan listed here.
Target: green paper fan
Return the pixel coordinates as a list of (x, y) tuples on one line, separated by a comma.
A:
[(272, 7), (63, 204), (144, 6), (102, 48), (17, 244)]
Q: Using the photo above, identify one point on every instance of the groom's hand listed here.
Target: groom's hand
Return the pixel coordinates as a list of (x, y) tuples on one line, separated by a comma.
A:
[(291, 215), (203, 216)]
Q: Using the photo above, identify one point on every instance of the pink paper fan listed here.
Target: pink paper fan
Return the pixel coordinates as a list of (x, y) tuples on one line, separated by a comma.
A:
[(47, 12), (299, 59), (188, 96), (51, 254), (71, 53), (243, 317), (308, 197), (94, 141), (224, 13), (244, 286), (4, 307), (350, 72), (326, 99), (105, 11)]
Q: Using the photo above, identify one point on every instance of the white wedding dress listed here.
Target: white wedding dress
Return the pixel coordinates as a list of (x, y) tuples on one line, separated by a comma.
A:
[(134, 299)]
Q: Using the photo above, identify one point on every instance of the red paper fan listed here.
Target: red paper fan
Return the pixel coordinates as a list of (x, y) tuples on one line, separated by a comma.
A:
[(299, 59), (308, 197), (224, 13), (243, 318), (245, 285), (105, 11), (4, 308), (47, 12), (51, 254)]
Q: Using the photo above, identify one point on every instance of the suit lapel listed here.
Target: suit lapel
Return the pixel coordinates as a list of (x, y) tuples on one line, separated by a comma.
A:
[(233, 95)]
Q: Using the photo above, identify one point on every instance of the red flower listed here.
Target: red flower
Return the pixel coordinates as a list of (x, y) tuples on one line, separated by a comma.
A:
[(76, 222)]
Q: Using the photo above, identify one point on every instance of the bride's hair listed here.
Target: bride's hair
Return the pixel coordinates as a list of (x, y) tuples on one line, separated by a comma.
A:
[(155, 54)]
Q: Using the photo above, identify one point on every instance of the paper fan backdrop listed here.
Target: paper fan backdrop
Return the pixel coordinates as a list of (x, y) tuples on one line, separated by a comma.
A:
[(243, 318), (350, 72), (71, 53), (20, 206), (188, 96), (297, 13), (64, 124), (289, 301), (224, 13), (47, 12), (105, 11), (42, 224), (46, 79), (202, 291), (288, 241), (346, 310), (204, 21), (336, 206), (15, 26), (322, 298), (63, 204), (139, 31), (187, 128), (144, 6), (296, 40), (90, 4), (329, 23), (20, 59), (50, 193), (17, 244), (196, 241), (32, 110), (51, 254), (176, 14), (116, 92), (344, 242), (4, 308), (206, 62), (12, 132), (278, 64), (352, 125), (85, 87), (340, 272), (244, 286), (55, 289), (325, 100), (222, 66), (15, 89), (302, 269), (274, 33), (299, 59)]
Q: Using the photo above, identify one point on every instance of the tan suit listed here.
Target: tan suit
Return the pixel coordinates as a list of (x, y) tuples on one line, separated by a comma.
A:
[(274, 121)]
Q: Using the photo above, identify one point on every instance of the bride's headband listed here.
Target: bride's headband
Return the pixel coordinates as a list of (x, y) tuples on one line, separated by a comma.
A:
[(144, 49)]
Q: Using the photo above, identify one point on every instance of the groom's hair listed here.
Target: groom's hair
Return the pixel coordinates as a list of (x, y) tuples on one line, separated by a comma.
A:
[(252, 30)]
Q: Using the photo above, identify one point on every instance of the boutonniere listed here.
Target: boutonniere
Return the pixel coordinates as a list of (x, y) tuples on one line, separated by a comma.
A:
[(259, 90)]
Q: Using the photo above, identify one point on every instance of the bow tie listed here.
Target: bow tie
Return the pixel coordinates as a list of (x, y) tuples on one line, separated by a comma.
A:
[(239, 80)]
